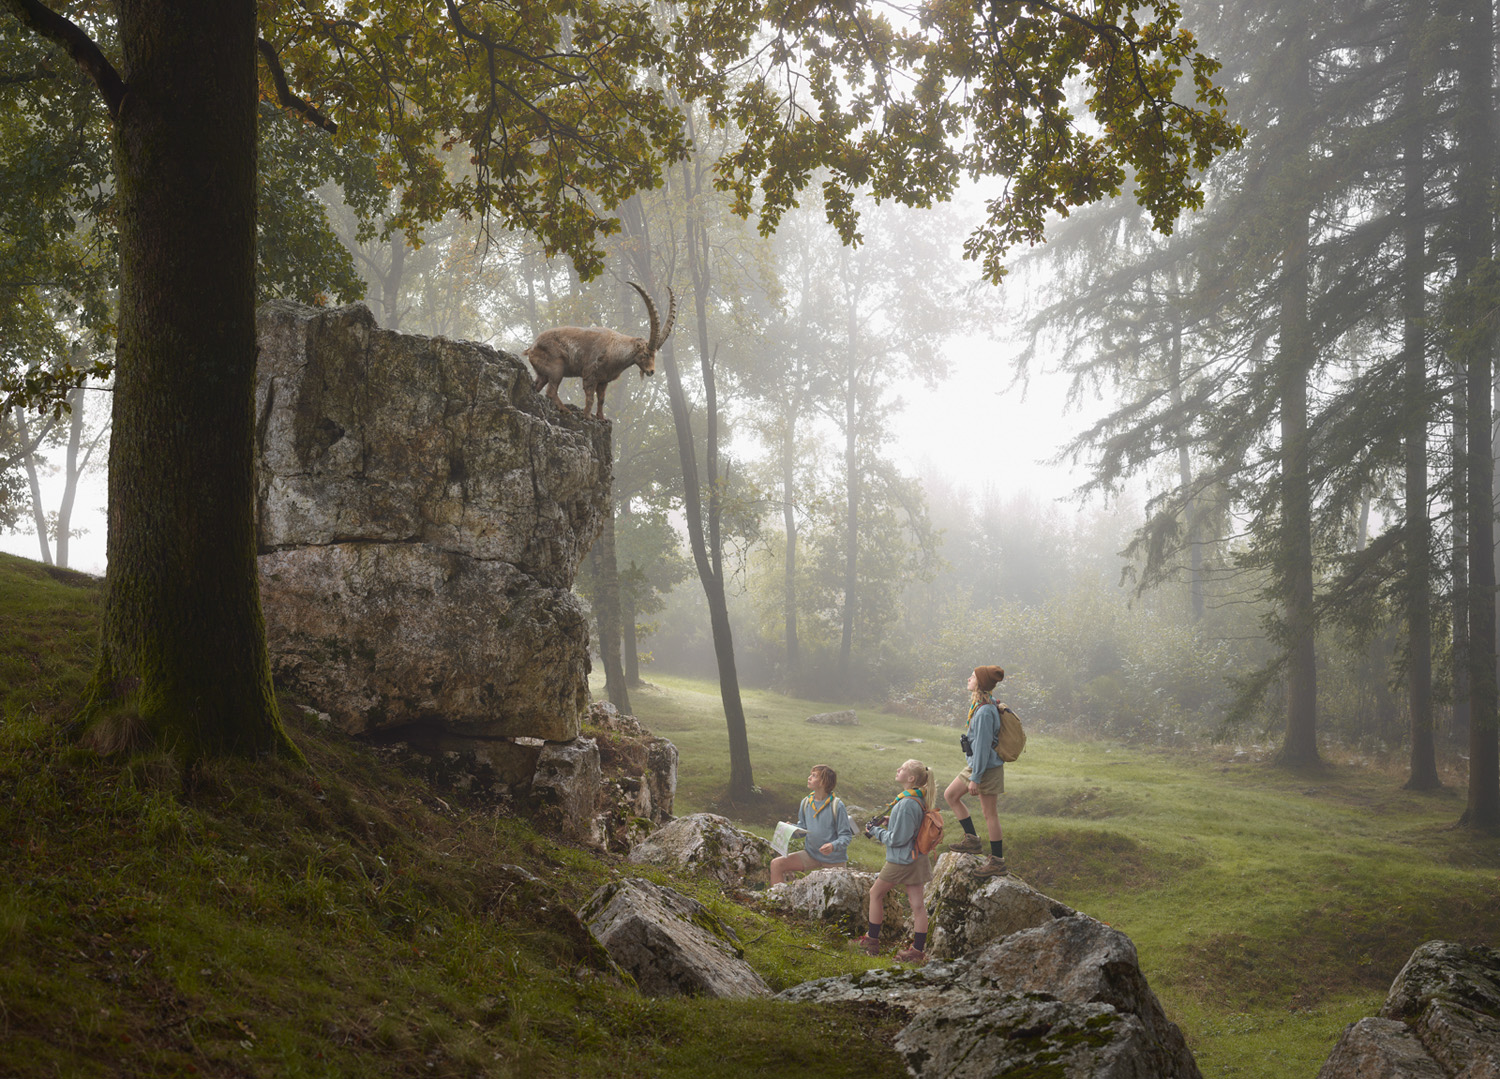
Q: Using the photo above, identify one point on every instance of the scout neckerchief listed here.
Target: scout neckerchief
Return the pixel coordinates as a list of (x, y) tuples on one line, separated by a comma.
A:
[(909, 792), (819, 808), (975, 706)]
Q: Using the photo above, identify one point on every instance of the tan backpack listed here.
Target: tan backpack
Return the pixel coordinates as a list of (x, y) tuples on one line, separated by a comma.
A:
[(1010, 739)]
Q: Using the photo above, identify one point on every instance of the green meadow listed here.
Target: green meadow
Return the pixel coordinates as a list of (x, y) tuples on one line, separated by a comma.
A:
[(260, 919), (1270, 909)]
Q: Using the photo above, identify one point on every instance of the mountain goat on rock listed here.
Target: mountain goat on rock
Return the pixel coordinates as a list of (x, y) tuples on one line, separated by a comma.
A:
[(597, 355)]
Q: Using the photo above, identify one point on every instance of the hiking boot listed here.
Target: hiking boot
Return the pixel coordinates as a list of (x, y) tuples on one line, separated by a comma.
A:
[(868, 944), (911, 955), (969, 844), (993, 867)]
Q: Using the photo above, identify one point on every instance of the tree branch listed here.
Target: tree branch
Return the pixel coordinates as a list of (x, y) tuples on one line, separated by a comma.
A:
[(284, 96), (85, 53)]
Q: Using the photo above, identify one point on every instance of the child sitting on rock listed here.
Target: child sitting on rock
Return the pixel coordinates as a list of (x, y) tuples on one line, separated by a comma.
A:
[(825, 821)]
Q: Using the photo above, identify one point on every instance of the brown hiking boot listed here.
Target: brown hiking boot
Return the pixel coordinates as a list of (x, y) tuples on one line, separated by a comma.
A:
[(993, 867), (969, 844)]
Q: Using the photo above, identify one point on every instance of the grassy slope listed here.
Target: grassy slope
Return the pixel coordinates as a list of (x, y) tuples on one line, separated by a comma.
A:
[(1269, 909), (343, 921), (265, 921)]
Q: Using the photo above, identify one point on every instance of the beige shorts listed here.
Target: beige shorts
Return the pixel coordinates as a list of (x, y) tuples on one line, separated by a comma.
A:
[(992, 782), (904, 876)]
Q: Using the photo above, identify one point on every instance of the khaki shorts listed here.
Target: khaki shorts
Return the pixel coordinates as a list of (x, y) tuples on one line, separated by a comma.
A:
[(992, 782), (903, 876)]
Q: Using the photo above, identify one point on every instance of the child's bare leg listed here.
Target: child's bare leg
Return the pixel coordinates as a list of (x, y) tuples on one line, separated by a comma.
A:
[(954, 796), (918, 907)]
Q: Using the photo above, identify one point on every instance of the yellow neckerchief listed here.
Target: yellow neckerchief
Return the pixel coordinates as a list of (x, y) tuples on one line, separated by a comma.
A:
[(975, 706), (819, 808)]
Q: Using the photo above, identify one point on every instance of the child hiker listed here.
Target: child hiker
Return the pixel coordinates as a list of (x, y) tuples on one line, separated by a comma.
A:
[(984, 775), (904, 868), (826, 822)]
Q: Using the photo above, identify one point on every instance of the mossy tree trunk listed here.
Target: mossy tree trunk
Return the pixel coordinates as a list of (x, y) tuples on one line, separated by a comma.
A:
[(183, 640)]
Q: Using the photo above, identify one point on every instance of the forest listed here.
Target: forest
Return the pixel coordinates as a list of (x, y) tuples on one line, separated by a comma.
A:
[(1262, 235)]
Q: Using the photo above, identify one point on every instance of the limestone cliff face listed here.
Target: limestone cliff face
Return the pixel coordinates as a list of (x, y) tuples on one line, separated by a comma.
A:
[(421, 514)]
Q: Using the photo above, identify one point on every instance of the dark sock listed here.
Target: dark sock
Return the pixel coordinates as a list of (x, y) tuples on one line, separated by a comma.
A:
[(874, 933), (967, 824), (997, 848), (920, 944)]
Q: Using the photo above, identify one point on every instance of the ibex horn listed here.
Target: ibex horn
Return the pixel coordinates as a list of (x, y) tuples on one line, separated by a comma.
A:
[(651, 341), (658, 334)]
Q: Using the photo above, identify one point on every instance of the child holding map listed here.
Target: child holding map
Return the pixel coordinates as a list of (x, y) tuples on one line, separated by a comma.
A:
[(825, 821)]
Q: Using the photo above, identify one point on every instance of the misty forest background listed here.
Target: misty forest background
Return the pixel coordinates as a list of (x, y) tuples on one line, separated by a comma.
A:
[(1288, 532)]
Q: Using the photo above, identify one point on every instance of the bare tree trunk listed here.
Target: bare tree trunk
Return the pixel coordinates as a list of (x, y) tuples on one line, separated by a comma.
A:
[(629, 646), (607, 614), (1418, 526), (1185, 477), (28, 458), (1476, 342), (789, 521), (1294, 363)]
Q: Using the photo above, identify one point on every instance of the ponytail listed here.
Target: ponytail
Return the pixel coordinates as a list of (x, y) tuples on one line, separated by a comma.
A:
[(923, 777)]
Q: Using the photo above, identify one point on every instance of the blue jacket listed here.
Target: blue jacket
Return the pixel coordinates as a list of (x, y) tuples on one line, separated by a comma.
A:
[(830, 826), (982, 729), (900, 832)]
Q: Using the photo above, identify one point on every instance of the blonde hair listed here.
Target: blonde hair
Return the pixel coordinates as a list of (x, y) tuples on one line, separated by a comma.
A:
[(923, 775), (826, 776)]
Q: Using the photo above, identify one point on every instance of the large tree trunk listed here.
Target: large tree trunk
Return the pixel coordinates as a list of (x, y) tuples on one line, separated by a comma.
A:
[(1418, 526), (182, 639), (1476, 344), (1294, 365)]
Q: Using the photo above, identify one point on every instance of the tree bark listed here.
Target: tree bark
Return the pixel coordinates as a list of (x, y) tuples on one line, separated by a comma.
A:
[(1476, 337), (183, 641), (1294, 364), (789, 573)]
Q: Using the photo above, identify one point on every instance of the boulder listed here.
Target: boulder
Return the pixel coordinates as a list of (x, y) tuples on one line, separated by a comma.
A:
[(706, 843), (1376, 1048), (838, 897), (670, 943), (990, 1034), (845, 718), (969, 912), (566, 788), (1441, 1017), (1083, 961), (420, 518)]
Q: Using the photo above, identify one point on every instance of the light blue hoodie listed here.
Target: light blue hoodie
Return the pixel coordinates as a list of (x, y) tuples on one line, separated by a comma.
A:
[(900, 832), (983, 728), (830, 826)]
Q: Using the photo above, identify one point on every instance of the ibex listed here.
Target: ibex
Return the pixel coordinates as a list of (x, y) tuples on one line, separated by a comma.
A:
[(597, 355)]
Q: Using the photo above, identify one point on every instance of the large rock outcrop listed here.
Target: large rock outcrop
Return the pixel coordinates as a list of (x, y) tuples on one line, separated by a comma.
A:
[(421, 514)]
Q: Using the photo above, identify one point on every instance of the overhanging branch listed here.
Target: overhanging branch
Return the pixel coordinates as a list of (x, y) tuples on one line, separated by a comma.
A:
[(85, 53), (284, 96)]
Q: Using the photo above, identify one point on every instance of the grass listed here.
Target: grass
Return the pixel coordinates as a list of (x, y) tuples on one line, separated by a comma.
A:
[(256, 919), (1270, 909), (260, 919)]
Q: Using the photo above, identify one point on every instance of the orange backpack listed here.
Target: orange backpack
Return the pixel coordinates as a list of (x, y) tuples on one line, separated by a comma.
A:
[(929, 832)]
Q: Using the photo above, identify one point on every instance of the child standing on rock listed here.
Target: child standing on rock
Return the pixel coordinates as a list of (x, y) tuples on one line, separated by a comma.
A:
[(904, 867), (984, 775), (826, 823)]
